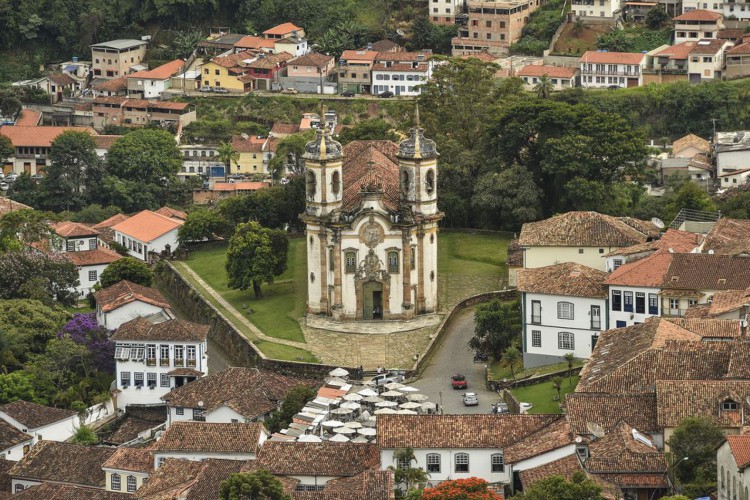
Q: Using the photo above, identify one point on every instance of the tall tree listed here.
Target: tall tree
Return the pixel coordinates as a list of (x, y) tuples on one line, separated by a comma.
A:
[(498, 325), (408, 478), (288, 158), (6, 148), (251, 260), (511, 358), (185, 42), (73, 157), (294, 401), (23, 227), (696, 438), (201, 224), (256, 485), (544, 88), (26, 274), (147, 156), (227, 155), (127, 268)]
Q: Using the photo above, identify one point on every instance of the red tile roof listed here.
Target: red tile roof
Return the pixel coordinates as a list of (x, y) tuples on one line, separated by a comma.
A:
[(680, 399), (596, 57), (607, 410), (172, 213), (743, 48), (677, 52), (69, 229), (282, 29), (552, 437), (37, 136), (57, 491), (691, 141), (370, 165), (124, 292), (674, 239), (285, 128), (131, 459), (28, 118), (587, 229), (242, 145), (172, 480), (112, 221), (271, 61), (234, 60), (8, 205), (33, 415), (316, 459), (147, 226), (620, 452), (699, 15), (740, 448), (50, 461), (161, 72), (550, 71), (254, 42), (403, 56), (113, 85), (92, 257), (648, 272), (10, 436), (568, 278), (204, 437), (708, 47), (358, 55), (314, 59), (710, 328), (239, 186), (105, 141), (172, 330), (728, 236)]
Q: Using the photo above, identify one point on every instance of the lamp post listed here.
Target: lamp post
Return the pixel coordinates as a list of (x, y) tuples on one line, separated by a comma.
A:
[(671, 469)]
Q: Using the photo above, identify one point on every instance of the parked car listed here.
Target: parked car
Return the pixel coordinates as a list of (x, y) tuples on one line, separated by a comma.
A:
[(470, 399), (206, 89), (289, 91), (458, 381), (37, 177), (4, 186), (386, 94), (220, 90), (524, 407), (347, 93), (11, 177), (387, 378), (499, 408)]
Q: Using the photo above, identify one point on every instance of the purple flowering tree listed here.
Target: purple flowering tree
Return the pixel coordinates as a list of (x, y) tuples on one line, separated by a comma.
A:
[(83, 329)]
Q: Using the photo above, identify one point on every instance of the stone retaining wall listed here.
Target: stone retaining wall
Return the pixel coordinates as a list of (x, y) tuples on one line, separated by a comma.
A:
[(513, 405)]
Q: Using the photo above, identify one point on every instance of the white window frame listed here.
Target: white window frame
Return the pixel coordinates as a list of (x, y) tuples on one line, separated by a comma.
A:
[(132, 484), (461, 459), (566, 341), (433, 462), (138, 377), (164, 380), (93, 275), (536, 338), (497, 461), (114, 482), (565, 310)]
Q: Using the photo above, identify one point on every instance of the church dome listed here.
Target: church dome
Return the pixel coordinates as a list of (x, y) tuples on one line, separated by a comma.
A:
[(322, 148), (416, 146)]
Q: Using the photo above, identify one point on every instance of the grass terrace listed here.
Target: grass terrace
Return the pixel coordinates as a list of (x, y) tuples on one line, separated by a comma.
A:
[(543, 396)]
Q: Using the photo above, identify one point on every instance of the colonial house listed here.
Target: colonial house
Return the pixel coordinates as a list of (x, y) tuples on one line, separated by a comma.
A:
[(148, 232), (309, 73), (14, 444), (707, 60), (31, 145), (80, 245), (124, 301), (737, 61), (401, 72), (117, 57), (731, 151), (188, 479), (560, 77), (732, 459), (355, 70), (457, 446), (548, 444), (218, 191), (225, 71), (40, 422), (581, 237), (198, 441), (128, 469), (197, 159), (102, 87), (151, 83), (233, 395), (153, 359), (697, 24), (106, 234), (172, 213), (255, 152), (612, 69), (69, 491), (564, 309), (61, 464)]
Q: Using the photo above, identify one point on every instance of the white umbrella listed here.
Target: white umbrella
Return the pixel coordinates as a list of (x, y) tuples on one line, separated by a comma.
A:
[(367, 392), (417, 397), (400, 412), (339, 438), (332, 423), (367, 431), (309, 438), (385, 411), (352, 397), (373, 399), (408, 388), (344, 430), (384, 404), (391, 386), (411, 405), (338, 372), (392, 394), (353, 425), (351, 405), (360, 440), (370, 422), (337, 381), (429, 406), (365, 415), (341, 411)]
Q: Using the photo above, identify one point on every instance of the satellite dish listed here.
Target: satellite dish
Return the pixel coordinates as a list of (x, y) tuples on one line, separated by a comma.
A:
[(400, 32), (657, 222), (595, 429), (200, 403)]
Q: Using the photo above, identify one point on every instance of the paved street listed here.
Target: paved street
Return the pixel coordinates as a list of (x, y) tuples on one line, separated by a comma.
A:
[(454, 356)]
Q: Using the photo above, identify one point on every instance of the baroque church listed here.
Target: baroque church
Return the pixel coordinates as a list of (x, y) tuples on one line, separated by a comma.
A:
[(371, 221)]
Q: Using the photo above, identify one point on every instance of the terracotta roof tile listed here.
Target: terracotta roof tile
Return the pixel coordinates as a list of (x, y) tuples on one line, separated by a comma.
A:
[(679, 399), (740, 448), (239, 186), (743, 48), (64, 463), (368, 485), (172, 480), (358, 55), (172, 213), (112, 221), (282, 29), (316, 459), (383, 46), (710, 328), (124, 292), (209, 478), (92, 257), (403, 56), (69, 229), (10, 436), (37, 136), (635, 480), (457, 431), (620, 452), (678, 241), (284, 128), (567, 278), (696, 271), (710, 47), (8, 205), (556, 435), (549, 71), (130, 426), (271, 61), (607, 410), (146, 226), (596, 57), (679, 51), (421, 67), (358, 172), (204, 437), (33, 415), (699, 15), (254, 42), (28, 118), (565, 467), (482, 56), (113, 85), (174, 329), (131, 459), (184, 372), (242, 145), (732, 34), (728, 236), (515, 254), (248, 391), (586, 229), (234, 60), (105, 141), (314, 59), (54, 491), (648, 272), (161, 72), (691, 141)]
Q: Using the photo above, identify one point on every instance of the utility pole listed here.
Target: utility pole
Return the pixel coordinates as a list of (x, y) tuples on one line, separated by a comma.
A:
[(713, 120)]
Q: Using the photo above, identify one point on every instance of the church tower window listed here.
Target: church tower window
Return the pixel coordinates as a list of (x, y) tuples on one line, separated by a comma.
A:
[(351, 262), (336, 183), (310, 184), (405, 182), (430, 183), (413, 259), (330, 259), (393, 262)]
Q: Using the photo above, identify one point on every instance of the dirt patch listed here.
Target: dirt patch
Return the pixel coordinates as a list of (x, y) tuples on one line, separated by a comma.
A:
[(572, 42)]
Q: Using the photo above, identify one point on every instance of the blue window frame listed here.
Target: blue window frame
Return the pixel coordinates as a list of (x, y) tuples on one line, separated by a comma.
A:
[(628, 302), (653, 304)]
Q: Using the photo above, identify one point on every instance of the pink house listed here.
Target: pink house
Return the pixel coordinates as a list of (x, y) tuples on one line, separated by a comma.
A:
[(310, 65)]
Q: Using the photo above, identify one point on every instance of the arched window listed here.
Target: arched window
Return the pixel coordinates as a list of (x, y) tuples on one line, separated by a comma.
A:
[(393, 262), (405, 181), (462, 462), (498, 463), (565, 340), (430, 181), (114, 482), (132, 484), (433, 462), (310, 184), (723, 485), (336, 182), (565, 310)]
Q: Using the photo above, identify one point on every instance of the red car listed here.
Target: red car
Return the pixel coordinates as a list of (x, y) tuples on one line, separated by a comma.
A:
[(458, 381)]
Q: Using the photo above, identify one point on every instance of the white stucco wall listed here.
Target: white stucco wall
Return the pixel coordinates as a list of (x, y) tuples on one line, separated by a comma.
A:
[(113, 319), (479, 463), (157, 245), (733, 483), (85, 284), (631, 318), (544, 458), (546, 256), (15, 453), (733, 160), (61, 430)]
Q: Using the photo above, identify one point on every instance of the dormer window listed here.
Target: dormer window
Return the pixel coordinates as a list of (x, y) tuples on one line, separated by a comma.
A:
[(583, 451), (729, 405)]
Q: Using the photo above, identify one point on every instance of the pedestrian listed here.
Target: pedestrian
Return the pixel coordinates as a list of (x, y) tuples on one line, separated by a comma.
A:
[(380, 370)]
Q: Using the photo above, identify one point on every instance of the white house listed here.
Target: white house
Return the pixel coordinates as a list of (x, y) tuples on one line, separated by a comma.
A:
[(560, 77), (127, 469), (706, 60), (147, 232), (237, 394), (456, 446), (564, 308), (582, 237), (734, 179), (14, 444), (40, 422), (732, 459), (153, 359), (732, 152), (198, 159), (696, 25), (150, 84), (401, 72), (198, 441), (634, 290), (123, 301), (602, 9), (612, 69)]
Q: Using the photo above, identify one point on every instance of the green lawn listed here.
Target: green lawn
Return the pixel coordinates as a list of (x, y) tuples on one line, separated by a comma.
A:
[(280, 351), (541, 395), (500, 371)]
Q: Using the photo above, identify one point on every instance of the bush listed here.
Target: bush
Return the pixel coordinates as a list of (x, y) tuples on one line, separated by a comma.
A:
[(538, 32), (85, 435)]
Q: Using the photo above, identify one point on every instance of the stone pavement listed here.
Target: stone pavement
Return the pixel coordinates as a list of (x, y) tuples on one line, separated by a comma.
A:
[(375, 326)]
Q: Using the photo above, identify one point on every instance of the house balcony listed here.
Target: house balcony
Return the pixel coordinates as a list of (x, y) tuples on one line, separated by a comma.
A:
[(191, 362), (674, 313), (610, 73), (164, 362), (179, 362), (656, 70), (151, 362)]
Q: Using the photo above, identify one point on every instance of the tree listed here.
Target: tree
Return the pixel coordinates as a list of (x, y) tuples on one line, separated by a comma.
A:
[(411, 478), (127, 268), (506, 199), (656, 18), (472, 488), (201, 224), (695, 438), (21, 228), (498, 324), (26, 274), (6, 148), (544, 88), (10, 105), (557, 386), (614, 41), (227, 155), (511, 357), (570, 358), (83, 329), (18, 385), (73, 157), (145, 156), (579, 487), (373, 129), (690, 195), (260, 485), (25, 328), (251, 260), (288, 158), (295, 400), (184, 44)]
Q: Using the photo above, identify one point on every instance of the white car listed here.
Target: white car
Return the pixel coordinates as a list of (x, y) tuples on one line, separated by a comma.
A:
[(387, 378), (4, 186), (471, 399), (524, 408)]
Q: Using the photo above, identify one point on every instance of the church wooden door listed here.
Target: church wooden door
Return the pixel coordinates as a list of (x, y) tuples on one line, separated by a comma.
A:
[(372, 300)]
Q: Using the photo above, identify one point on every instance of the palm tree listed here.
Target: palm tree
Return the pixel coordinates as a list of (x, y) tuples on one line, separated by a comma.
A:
[(570, 359), (184, 44), (511, 357), (409, 476), (544, 88), (227, 155), (557, 385)]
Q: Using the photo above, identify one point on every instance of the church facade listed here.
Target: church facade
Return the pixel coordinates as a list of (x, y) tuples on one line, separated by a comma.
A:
[(372, 228)]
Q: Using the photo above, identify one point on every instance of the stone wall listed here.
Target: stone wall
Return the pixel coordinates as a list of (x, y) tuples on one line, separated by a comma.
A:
[(509, 399)]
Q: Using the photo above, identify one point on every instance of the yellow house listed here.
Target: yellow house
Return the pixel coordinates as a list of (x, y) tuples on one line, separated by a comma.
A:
[(251, 155), (227, 72)]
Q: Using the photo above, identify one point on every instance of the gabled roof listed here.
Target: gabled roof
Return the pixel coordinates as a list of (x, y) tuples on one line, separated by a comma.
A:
[(359, 173), (209, 478), (710, 328), (549, 71), (708, 47), (242, 145), (131, 459), (37, 136), (607, 410), (112, 221), (172, 480), (282, 29), (648, 272), (383, 46), (248, 391), (679, 399), (314, 59), (700, 271), (234, 60), (567, 278), (62, 79), (457, 431), (172, 330), (64, 463), (28, 118), (205, 437), (741, 49), (93, 257), (556, 435), (69, 229), (739, 445), (316, 459), (270, 61), (124, 292), (565, 467), (699, 15), (105, 141), (691, 141), (674, 239), (147, 226), (172, 213), (677, 52), (34, 416), (10, 436), (113, 85), (254, 42), (7, 205), (728, 236), (597, 57), (587, 229), (161, 72), (285, 128), (55, 491)]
